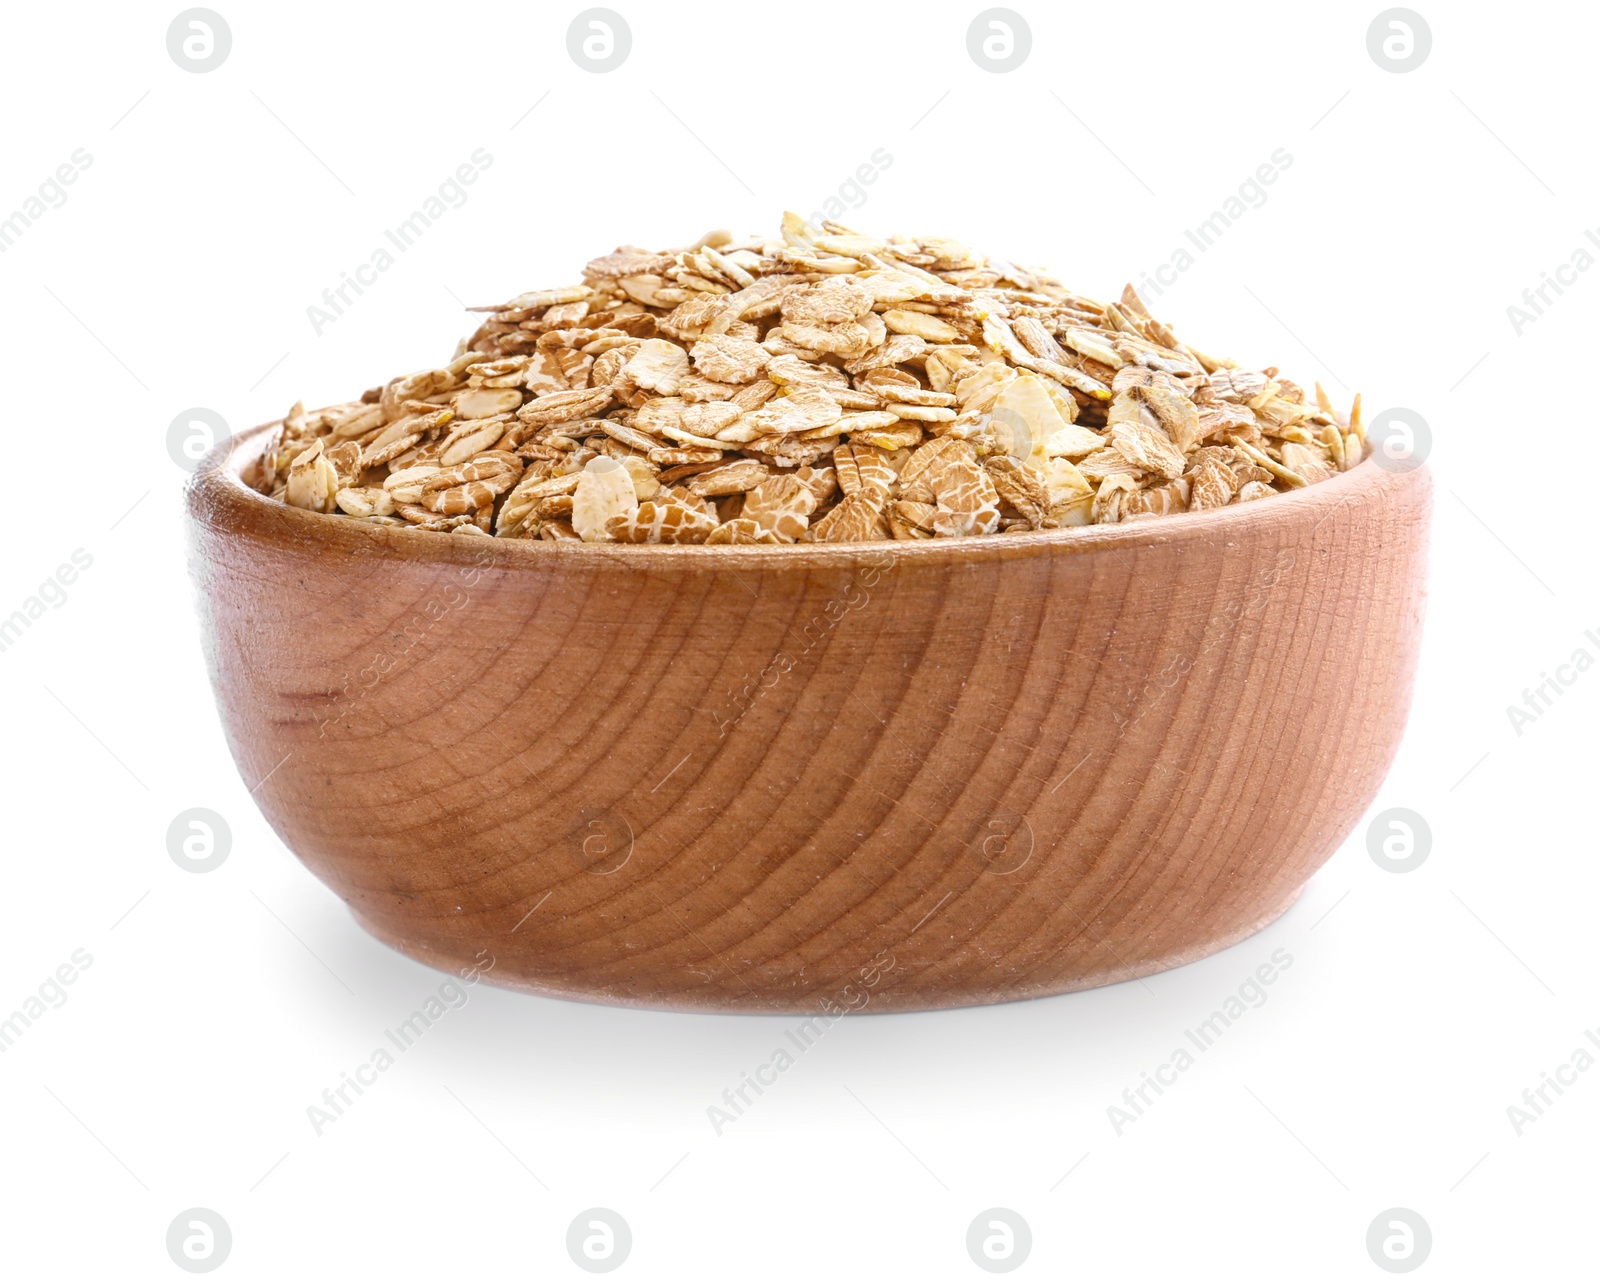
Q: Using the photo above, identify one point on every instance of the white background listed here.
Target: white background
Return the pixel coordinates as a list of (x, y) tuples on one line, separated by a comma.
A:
[(218, 1007)]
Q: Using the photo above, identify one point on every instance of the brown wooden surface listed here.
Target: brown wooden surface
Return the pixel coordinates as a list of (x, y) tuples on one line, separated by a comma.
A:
[(1015, 766)]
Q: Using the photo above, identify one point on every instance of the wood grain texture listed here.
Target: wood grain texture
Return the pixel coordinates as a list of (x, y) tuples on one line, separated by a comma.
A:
[(744, 778)]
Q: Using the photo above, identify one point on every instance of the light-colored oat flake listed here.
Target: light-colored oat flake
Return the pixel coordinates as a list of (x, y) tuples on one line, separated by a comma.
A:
[(820, 386)]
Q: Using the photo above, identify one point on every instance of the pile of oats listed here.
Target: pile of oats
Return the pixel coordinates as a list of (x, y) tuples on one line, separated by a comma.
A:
[(824, 386)]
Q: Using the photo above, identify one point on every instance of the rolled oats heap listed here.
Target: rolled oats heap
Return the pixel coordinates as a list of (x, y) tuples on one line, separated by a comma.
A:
[(822, 386)]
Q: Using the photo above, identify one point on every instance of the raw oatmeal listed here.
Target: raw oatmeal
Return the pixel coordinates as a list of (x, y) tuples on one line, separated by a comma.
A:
[(821, 386)]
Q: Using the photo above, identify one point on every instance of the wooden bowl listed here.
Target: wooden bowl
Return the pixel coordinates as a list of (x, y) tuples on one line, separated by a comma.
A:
[(885, 776)]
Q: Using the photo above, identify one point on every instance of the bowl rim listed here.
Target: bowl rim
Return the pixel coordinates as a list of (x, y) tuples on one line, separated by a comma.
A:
[(218, 498)]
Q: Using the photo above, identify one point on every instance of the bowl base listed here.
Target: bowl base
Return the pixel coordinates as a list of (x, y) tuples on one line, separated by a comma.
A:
[(936, 995)]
